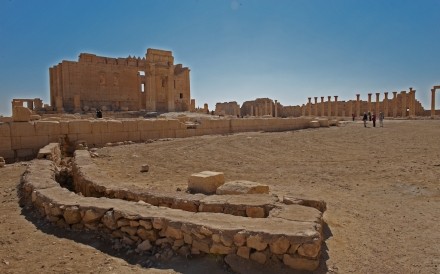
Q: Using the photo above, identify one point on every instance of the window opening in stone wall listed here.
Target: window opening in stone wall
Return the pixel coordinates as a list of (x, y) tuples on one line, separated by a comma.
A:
[(142, 87), (141, 73), (181, 95)]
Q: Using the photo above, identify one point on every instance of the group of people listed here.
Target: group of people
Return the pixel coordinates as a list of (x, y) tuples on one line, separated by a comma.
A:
[(372, 117)]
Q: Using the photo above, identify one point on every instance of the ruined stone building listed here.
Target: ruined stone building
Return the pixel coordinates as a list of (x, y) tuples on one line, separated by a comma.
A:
[(151, 83), (227, 108)]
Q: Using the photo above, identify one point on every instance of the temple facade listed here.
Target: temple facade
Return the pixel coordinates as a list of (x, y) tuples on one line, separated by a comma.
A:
[(151, 83)]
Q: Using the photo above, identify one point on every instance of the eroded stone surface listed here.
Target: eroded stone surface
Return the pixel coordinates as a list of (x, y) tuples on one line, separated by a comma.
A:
[(242, 187), (205, 182), (142, 225)]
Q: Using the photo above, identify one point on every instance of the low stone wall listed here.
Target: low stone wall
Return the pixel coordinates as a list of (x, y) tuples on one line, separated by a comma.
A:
[(22, 140), (290, 235)]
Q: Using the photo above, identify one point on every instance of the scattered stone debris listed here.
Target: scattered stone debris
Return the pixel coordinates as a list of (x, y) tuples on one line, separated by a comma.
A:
[(145, 168)]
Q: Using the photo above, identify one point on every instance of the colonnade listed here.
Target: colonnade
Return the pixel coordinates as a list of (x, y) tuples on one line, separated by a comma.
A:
[(402, 104), (433, 90)]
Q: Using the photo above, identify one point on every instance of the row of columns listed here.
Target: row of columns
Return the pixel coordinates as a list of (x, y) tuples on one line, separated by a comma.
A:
[(410, 104), (434, 88), (267, 110)]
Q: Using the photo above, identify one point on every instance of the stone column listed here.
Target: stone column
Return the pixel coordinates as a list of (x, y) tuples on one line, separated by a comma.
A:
[(394, 104), (316, 106), (276, 108), (322, 106), (403, 93), (336, 106), (358, 105), (59, 104), (206, 108), (76, 103), (38, 104), (377, 104), (265, 107), (271, 108), (309, 106), (193, 105), (170, 89), (385, 105), (329, 106), (252, 110), (432, 103), (413, 103), (350, 108), (369, 102)]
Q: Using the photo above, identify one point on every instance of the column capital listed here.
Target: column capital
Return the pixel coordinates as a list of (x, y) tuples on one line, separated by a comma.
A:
[(336, 97), (329, 98), (310, 99), (403, 92), (377, 93), (322, 98), (369, 94), (394, 93)]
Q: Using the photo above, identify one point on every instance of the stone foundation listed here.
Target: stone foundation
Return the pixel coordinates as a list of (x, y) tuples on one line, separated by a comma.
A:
[(22, 140), (287, 235)]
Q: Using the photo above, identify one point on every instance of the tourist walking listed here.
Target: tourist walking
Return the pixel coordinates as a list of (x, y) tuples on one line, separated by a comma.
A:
[(369, 116), (373, 118), (381, 117), (98, 113), (365, 118)]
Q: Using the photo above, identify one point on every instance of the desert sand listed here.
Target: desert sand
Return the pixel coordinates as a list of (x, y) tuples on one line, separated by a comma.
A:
[(381, 185)]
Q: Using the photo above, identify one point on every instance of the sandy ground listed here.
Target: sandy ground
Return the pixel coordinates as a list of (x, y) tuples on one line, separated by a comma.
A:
[(381, 185)]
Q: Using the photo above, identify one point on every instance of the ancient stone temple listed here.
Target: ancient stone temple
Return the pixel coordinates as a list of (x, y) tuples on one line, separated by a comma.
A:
[(151, 83)]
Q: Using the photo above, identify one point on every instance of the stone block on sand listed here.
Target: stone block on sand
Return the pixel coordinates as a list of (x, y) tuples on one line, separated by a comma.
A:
[(205, 182)]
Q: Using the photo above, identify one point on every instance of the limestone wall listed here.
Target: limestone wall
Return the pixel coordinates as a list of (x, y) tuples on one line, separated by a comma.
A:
[(22, 140), (279, 240)]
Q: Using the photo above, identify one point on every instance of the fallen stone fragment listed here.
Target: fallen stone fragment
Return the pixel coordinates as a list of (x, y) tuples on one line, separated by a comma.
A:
[(242, 187)]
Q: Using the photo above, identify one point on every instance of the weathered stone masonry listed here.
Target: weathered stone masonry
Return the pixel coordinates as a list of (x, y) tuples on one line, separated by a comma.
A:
[(22, 140), (152, 83), (293, 237)]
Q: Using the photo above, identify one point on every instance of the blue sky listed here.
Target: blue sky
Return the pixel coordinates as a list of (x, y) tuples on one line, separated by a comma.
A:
[(237, 50)]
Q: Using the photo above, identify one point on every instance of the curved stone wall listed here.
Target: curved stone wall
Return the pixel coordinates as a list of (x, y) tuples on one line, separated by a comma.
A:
[(290, 235)]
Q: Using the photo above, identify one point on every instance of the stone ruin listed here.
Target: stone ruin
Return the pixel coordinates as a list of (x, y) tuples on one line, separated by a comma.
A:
[(238, 220)]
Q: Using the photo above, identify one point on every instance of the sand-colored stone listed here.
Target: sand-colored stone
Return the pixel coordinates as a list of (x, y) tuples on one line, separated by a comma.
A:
[(258, 257), (205, 182), (152, 83), (314, 124), (256, 242), (242, 187), (21, 114), (244, 252), (300, 263)]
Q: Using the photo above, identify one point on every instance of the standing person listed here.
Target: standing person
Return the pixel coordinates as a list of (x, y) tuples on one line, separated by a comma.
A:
[(373, 118), (381, 117), (369, 116), (365, 118), (98, 113), (353, 116)]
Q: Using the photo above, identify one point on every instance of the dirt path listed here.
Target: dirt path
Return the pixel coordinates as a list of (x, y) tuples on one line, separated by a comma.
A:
[(381, 186)]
